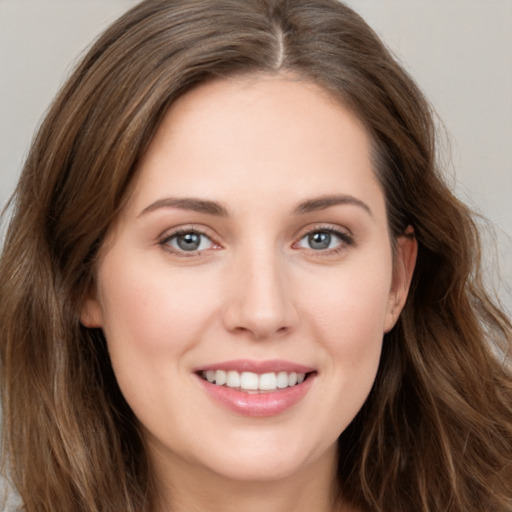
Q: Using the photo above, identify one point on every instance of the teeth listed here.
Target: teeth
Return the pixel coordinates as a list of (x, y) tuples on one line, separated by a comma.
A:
[(282, 380), (250, 381), (267, 381), (233, 379), (220, 377)]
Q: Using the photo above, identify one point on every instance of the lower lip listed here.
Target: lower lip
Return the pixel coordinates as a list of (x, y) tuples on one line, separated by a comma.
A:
[(258, 404)]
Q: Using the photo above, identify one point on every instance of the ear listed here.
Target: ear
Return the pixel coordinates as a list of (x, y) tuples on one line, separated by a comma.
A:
[(91, 315), (403, 268)]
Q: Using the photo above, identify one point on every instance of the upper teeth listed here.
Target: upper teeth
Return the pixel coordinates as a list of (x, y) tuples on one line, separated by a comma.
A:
[(252, 381)]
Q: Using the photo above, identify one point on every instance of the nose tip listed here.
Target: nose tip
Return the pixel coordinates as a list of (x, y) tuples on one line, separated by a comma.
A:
[(259, 324), (261, 304)]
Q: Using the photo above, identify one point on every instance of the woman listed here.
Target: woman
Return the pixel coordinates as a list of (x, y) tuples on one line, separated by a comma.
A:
[(234, 278)]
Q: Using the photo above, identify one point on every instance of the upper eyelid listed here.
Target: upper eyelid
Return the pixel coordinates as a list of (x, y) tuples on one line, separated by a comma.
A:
[(331, 228), (181, 230)]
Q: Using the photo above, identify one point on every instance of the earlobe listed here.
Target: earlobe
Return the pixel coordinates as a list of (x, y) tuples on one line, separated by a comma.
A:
[(403, 269), (91, 314)]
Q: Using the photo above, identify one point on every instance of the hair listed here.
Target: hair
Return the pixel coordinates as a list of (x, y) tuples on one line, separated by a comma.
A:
[(435, 433)]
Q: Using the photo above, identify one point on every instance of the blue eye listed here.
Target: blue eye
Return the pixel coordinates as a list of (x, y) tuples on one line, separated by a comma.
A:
[(188, 241), (322, 240)]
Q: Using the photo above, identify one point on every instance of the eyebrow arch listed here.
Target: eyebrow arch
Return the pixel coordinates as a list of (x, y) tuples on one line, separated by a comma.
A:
[(323, 202), (188, 203)]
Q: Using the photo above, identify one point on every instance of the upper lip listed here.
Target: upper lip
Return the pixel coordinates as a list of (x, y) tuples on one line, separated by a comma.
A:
[(260, 367)]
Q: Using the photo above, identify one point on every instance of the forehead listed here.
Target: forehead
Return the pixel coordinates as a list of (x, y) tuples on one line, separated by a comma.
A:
[(257, 134)]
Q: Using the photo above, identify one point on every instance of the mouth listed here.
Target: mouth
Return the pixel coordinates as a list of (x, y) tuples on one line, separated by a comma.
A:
[(251, 382), (256, 388)]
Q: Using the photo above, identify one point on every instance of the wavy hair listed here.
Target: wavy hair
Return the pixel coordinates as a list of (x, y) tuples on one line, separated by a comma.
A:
[(434, 435)]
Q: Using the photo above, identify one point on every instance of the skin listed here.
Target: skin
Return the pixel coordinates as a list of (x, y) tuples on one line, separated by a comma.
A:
[(259, 147)]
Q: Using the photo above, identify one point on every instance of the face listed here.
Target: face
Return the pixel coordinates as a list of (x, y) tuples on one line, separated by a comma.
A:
[(245, 290)]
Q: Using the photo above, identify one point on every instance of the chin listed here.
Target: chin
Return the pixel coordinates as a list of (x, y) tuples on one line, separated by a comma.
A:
[(266, 470), (264, 460)]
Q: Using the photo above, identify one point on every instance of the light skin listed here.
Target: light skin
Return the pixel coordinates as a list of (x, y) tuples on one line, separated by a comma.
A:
[(273, 179)]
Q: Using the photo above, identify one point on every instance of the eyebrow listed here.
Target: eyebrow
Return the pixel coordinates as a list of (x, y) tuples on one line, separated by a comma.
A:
[(214, 208), (324, 202), (188, 203)]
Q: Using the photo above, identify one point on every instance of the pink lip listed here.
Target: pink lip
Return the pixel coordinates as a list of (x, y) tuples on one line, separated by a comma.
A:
[(262, 404), (246, 365)]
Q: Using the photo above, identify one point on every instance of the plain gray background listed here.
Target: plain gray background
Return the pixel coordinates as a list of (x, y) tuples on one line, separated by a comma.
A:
[(459, 51)]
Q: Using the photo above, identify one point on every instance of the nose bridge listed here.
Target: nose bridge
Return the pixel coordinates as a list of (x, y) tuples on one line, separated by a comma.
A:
[(260, 301)]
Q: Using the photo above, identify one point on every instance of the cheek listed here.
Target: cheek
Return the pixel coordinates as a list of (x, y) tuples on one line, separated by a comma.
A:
[(352, 335), (151, 320), (351, 306), (152, 311), (348, 318)]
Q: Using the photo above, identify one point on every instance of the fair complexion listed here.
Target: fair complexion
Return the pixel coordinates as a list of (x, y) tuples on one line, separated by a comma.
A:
[(255, 238)]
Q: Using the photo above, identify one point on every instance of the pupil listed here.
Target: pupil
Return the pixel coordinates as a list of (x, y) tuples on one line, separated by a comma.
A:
[(320, 240), (189, 241)]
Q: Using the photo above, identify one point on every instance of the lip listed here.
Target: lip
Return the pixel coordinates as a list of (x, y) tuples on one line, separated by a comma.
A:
[(259, 367), (262, 404)]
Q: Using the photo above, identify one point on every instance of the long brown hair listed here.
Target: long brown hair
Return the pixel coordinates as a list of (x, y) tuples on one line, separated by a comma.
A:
[(436, 431)]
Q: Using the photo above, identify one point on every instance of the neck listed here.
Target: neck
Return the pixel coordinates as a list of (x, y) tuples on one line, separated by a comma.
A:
[(187, 488)]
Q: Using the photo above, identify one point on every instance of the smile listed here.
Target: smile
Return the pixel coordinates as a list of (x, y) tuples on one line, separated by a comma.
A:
[(253, 382), (256, 388)]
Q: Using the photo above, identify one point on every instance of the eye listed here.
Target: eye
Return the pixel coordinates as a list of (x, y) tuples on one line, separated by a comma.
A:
[(187, 241), (324, 240)]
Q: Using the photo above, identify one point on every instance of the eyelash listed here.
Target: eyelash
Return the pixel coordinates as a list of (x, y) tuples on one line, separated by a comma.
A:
[(164, 242), (346, 240)]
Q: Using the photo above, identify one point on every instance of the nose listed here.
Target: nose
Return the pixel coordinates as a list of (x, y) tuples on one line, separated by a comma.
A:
[(259, 299)]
